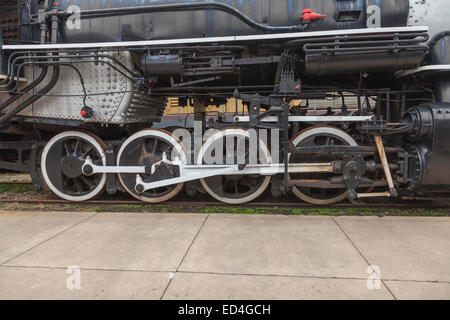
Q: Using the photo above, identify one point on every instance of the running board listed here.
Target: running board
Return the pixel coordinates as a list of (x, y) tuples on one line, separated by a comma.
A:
[(227, 39)]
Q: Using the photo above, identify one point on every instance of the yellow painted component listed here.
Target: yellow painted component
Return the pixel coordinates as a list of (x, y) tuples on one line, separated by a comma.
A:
[(230, 107)]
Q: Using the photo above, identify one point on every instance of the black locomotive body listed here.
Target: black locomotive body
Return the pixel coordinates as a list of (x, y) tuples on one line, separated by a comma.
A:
[(183, 19), (83, 79)]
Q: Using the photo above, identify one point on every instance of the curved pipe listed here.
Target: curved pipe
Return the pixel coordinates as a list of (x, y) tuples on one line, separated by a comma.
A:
[(13, 64), (8, 74), (96, 13), (81, 80), (29, 87), (405, 129), (62, 63), (34, 98), (438, 37)]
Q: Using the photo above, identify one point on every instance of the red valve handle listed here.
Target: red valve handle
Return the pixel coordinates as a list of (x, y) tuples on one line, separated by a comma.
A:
[(308, 14)]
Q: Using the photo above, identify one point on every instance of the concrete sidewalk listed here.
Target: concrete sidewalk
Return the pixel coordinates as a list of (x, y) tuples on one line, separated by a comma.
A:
[(195, 256)]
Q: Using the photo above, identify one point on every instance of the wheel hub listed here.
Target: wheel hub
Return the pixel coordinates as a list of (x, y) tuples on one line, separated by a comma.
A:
[(72, 166)]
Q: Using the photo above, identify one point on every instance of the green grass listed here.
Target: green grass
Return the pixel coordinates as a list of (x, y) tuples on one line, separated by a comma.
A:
[(237, 210), (15, 188), (234, 210), (167, 209), (314, 211), (282, 211), (96, 209), (72, 207), (130, 206), (145, 208)]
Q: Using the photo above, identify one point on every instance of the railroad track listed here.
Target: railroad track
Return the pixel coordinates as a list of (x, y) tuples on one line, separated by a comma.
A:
[(404, 202), (417, 203)]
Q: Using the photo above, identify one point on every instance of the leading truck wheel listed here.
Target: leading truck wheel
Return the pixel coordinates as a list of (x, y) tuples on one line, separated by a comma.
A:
[(62, 161), (146, 148), (315, 137)]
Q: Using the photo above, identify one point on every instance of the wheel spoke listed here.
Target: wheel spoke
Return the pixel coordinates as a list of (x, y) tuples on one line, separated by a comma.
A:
[(87, 182), (84, 155), (78, 185), (246, 181), (227, 182), (76, 147), (68, 149), (65, 182), (143, 148), (155, 146), (236, 186)]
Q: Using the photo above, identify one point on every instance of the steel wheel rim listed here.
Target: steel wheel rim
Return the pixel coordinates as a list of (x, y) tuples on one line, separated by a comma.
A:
[(128, 180), (50, 158), (308, 134), (240, 182)]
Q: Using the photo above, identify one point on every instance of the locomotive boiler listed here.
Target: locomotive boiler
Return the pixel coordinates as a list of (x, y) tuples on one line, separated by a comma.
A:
[(85, 84)]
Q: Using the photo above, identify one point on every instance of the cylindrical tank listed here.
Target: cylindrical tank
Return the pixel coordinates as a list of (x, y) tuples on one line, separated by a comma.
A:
[(341, 14), (162, 65)]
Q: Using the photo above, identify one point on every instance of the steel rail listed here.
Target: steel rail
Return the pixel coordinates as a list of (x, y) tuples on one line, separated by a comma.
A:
[(411, 203)]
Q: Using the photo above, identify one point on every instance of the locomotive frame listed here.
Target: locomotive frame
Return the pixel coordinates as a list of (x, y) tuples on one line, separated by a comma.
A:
[(396, 145)]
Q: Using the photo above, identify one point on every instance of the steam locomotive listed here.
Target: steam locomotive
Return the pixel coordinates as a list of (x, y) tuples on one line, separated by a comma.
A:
[(84, 84)]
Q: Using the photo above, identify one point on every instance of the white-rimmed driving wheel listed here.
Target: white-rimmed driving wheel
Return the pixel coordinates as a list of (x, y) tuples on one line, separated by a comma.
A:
[(62, 161), (234, 189), (316, 137), (146, 148)]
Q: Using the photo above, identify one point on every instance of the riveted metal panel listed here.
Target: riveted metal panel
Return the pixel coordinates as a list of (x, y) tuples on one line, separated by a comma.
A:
[(431, 13), (119, 105)]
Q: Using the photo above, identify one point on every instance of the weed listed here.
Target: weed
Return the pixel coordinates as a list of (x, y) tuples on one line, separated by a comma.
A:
[(96, 209), (15, 188), (130, 206)]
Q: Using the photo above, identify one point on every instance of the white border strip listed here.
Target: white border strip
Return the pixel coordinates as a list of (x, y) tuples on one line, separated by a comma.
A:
[(296, 35)]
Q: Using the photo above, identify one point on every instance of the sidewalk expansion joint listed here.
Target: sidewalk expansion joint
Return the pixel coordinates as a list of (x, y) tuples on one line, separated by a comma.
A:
[(362, 256), (184, 257), (261, 275), (50, 238)]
